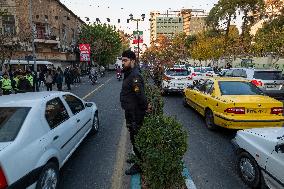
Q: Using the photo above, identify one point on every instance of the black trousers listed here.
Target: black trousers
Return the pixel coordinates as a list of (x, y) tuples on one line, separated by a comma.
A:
[(59, 86), (134, 122), (49, 86)]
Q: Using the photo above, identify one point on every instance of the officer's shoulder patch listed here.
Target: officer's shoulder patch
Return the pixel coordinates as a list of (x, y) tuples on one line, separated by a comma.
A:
[(136, 89)]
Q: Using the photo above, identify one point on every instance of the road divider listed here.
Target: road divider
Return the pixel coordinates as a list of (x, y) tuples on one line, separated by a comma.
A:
[(117, 176), (96, 89)]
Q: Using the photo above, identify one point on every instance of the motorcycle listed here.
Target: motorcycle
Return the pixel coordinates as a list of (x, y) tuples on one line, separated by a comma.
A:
[(93, 78), (118, 76)]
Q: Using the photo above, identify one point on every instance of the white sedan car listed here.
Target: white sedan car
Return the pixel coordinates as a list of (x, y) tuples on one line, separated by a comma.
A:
[(176, 80), (260, 157), (38, 133)]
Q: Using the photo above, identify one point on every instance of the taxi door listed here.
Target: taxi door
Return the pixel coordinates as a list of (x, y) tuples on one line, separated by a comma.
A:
[(204, 97)]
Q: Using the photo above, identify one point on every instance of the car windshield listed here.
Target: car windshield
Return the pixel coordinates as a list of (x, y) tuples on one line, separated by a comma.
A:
[(177, 72), (238, 88), (11, 120), (199, 70), (268, 75)]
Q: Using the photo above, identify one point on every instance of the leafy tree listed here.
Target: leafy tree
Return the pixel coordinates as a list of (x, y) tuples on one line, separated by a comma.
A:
[(105, 42)]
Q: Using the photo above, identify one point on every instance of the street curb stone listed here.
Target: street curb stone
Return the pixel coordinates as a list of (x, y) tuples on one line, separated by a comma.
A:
[(135, 182)]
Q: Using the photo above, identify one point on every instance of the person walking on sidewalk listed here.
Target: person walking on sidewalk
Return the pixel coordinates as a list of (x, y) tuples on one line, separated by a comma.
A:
[(49, 80), (68, 78), (6, 85), (59, 79), (133, 101)]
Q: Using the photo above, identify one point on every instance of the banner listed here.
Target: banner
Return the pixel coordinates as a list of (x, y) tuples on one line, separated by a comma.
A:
[(85, 52), (137, 35)]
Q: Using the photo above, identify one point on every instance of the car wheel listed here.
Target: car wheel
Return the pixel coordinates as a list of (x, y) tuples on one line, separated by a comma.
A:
[(248, 170), (96, 124), (49, 177), (209, 120)]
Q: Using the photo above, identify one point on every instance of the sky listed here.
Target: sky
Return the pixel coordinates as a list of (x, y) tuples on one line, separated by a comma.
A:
[(120, 9)]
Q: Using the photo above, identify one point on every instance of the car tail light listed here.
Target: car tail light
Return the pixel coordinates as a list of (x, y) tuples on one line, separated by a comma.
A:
[(277, 110), (257, 83), (193, 74), (189, 78), (166, 78), (3, 181), (237, 110)]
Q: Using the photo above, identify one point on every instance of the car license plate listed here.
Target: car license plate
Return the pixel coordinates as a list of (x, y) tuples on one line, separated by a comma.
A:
[(271, 87), (256, 111)]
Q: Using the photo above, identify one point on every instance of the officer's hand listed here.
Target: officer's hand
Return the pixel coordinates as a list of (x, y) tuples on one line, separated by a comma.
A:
[(149, 109)]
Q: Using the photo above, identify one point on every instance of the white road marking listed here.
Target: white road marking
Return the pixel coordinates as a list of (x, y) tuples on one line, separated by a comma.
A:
[(96, 89)]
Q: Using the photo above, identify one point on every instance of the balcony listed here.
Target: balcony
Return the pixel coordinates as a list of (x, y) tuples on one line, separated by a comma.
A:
[(47, 39)]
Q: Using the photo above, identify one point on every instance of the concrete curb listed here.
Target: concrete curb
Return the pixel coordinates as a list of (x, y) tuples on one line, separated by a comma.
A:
[(135, 182)]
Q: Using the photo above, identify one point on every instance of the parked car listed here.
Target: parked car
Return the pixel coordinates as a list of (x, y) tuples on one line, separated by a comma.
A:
[(196, 73), (271, 82), (38, 133), (175, 80), (260, 157), (233, 103)]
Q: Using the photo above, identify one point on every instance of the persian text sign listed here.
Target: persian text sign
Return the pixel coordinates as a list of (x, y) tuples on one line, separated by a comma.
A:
[(85, 51)]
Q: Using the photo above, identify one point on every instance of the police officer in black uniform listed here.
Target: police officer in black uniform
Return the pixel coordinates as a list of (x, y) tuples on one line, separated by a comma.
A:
[(133, 101)]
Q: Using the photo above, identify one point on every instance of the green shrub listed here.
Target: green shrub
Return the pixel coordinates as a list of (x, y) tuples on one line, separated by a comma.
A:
[(162, 143)]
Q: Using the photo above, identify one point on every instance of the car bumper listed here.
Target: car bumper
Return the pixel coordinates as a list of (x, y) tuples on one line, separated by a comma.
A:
[(173, 90), (234, 123), (235, 145)]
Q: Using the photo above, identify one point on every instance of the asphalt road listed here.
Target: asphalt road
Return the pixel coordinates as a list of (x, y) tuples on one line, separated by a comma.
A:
[(99, 162), (210, 156), (92, 164)]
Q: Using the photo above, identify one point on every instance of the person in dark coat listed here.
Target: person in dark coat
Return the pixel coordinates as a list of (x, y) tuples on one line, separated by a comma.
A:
[(59, 79), (133, 101), (23, 84), (68, 78)]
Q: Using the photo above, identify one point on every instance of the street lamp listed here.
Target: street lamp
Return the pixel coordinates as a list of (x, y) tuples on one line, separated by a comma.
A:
[(137, 29)]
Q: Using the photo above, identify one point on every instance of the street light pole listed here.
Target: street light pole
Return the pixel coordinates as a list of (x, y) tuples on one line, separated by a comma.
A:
[(33, 37), (138, 33)]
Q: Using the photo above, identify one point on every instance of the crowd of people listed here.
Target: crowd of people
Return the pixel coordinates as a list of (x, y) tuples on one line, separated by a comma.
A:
[(21, 81)]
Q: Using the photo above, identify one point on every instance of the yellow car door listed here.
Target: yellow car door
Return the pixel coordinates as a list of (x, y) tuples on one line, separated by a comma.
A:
[(204, 96)]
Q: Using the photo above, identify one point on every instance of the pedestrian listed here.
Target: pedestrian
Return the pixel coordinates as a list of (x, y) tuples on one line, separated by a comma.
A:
[(23, 85), (41, 79), (6, 84), (133, 101), (59, 79), (68, 78), (30, 78), (49, 80)]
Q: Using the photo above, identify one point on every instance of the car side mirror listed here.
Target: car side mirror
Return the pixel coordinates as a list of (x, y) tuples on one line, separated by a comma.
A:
[(279, 148), (89, 104)]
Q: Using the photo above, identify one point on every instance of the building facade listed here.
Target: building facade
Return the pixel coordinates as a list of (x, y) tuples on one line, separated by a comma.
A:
[(56, 29), (189, 21)]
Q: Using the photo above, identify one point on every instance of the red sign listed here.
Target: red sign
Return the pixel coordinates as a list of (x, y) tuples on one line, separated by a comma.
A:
[(85, 48), (85, 51)]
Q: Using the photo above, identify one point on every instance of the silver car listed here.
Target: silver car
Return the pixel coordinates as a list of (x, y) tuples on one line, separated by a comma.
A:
[(270, 81)]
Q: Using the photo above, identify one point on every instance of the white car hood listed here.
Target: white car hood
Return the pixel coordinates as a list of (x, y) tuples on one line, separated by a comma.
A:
[(274, 133), (3, 145)]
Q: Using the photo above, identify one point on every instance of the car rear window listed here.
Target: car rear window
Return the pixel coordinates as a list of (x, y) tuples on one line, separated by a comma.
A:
[(11, 120), (209, 69), (177, 72), (268, 75), (238, 88)]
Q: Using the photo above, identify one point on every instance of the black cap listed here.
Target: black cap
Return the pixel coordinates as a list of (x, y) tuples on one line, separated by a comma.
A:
[(129, 54)]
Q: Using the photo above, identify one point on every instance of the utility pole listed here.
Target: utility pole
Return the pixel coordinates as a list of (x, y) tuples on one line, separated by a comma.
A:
[(137, 29), (33, 32)]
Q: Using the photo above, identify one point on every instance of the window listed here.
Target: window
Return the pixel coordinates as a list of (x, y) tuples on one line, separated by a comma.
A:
[(75, 104), (40, 30), (208, 88), (229, 73), (238, 88), (239, 73), (11, 120), (177, 72), (55, 113), (8, 24), (268, 75)]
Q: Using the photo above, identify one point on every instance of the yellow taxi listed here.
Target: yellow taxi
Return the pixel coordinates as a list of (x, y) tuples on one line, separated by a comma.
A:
[(233, 103)]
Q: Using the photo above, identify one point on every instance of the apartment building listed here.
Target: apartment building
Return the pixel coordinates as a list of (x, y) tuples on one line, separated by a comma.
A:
[(56, 29), (189, 21)]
